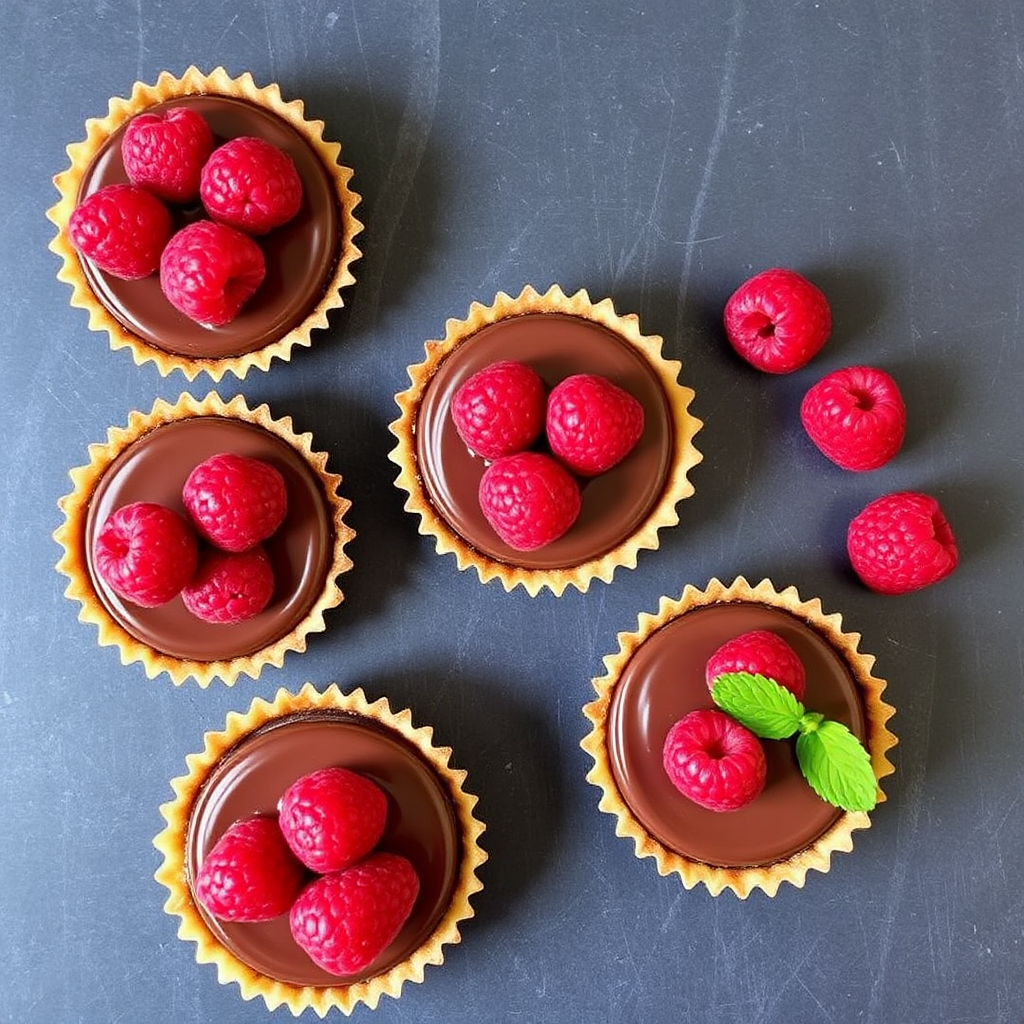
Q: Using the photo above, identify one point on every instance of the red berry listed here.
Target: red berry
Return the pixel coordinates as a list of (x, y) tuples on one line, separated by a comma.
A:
[(759, 652), (251, 185), (165, 152), (230, 586), (500, 409), (901, 542), (716, 762), (345, 920), (208, 271), (235, 501), (145, 553), (777, 320), (529, 499), (856, 417), (122, 229), (592, 424), (332, 817), (250, 874)]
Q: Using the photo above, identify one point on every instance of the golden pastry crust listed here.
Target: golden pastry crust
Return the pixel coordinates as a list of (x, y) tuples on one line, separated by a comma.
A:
[(677, 485), (837, 839), (73, 564), (218, 83), (173, 874)]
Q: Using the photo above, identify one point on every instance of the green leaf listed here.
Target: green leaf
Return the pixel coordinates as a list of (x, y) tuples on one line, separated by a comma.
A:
[(767, 709), (836, 766)]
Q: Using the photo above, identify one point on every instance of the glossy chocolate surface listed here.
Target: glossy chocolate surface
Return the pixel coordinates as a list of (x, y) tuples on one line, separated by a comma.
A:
[(421, 825), (663, 680), (555, 345), (155, 468), (300, 255)]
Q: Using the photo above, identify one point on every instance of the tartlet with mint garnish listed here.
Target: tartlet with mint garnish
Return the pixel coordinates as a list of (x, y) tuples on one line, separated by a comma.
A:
[(659, 675)]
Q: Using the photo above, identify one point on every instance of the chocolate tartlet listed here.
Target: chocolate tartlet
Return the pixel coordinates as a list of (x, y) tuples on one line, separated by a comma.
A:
[(657, 676), (245, 769), (622, 509), (308, 259), (149, 460)]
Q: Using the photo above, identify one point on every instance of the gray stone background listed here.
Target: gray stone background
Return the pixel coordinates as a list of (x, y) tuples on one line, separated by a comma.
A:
[(657, 153)]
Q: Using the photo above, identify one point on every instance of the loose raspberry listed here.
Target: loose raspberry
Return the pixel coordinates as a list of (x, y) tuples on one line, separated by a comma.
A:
[(345, 920), (777, 320), (230, 586), (145, 553), (856, 417), (122, 229), (529, 499), (209, 271), (500, 409), (716, 762), (759, 652), (250, 874), (235, 501), (332, 817), (165, 152), (251, 185), (592, 424), (901, 542)]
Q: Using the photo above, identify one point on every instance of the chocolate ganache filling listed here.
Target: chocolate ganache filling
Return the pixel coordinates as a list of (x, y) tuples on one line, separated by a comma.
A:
[(556, 345), (155, 468), (664, 680), (300, 255), (421, 825)]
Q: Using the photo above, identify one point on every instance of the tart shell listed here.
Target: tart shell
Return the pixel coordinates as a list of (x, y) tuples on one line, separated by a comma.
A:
[(838, 838), (173, 872), (168, 87), (662, 513), (74, 562)]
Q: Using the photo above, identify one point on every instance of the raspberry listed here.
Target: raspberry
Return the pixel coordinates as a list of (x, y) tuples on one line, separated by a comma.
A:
[(592, 424), (345, 920), (856, 417), (165, 152), (500, 409), (901, 542), (208, 271), (122, 229), (230, 586), (529, 499), (145, 553), (760, 652), (332, 817), (235, 501), (251, 185), (716, 762), (777, 320), (250, 874)]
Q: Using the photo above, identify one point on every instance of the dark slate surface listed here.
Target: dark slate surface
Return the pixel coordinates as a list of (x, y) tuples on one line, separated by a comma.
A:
[(657, 153)]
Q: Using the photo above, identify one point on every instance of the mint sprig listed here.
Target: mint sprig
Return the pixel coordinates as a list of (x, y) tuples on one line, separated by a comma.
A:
[(832, 760)]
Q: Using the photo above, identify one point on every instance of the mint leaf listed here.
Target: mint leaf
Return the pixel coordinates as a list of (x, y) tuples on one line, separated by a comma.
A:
[(767, 709), (836, 765)]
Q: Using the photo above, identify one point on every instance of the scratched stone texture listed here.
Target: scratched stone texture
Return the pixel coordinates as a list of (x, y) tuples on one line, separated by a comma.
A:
[(657, 153)]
